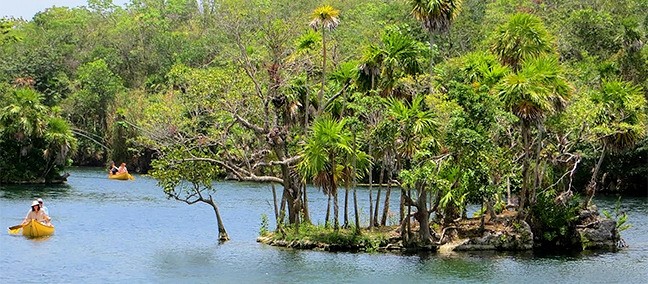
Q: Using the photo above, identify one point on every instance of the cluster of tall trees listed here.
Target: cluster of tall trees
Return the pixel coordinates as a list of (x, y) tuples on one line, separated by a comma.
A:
[(448, 102)]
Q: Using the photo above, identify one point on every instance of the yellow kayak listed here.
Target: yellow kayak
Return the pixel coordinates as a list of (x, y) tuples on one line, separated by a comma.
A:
[(121, 176), (37, 229)]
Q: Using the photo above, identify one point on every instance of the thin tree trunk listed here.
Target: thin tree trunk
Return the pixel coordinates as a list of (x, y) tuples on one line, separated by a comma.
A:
[(537, 181), (508, 192), (305, 207), (307, 107), (346, 206), (355, 195), (371, 217), (328, 211), (591, 186), (282, 210), (380, 183), (320, 95), (297, 208), (274, 202), (357, 212), (409, 212), (336, 211), (222, 233), (431, 35), (525, 170), (383, 222)]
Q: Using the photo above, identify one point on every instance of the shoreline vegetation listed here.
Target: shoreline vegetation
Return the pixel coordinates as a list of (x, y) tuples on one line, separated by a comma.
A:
[(505, 233)]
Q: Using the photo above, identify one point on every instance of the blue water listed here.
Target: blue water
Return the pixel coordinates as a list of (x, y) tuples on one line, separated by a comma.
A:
[(117, 231)]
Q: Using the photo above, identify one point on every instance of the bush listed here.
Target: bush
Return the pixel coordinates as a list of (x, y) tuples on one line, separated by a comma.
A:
[(553, 224)]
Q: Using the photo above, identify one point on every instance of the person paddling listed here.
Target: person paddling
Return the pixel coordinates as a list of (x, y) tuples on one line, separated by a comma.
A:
[(113, 169), (37, 214)]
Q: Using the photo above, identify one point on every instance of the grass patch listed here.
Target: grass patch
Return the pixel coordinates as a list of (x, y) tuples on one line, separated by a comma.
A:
[(347, 238)]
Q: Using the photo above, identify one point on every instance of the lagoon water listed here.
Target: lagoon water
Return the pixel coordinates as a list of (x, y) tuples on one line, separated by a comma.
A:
[(127, 232)]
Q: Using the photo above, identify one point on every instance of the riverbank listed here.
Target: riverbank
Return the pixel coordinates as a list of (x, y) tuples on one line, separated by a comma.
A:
[(503, 233)]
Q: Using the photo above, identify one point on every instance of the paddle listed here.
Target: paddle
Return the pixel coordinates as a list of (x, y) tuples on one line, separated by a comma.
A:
[(15, 229)]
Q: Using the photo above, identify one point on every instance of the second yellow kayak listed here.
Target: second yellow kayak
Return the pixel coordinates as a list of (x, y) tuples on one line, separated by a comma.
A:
[(121, 176)]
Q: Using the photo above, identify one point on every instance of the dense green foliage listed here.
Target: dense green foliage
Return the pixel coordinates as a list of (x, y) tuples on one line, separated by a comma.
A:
[(528, 98)]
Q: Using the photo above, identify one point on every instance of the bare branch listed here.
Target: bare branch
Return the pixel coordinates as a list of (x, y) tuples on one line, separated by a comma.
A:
[(331, 99), (289, 161), (257, 129), (240, 173)]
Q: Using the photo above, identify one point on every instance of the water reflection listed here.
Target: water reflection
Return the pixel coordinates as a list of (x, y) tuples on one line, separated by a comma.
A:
[(34, 191)]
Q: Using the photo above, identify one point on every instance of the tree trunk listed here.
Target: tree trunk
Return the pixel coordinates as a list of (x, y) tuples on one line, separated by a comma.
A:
[(346, 206), (371, 217), (274, 203), (336, 211), (524, 193), (383, 222), (591, 186), (292, 190), (328, 211), (222, 233), (307, 106), (537, 181), (380, 183), (296, 205), (305, 206), (355, 195), (409, 212), (423, 217), (320, 95), (431, 35)]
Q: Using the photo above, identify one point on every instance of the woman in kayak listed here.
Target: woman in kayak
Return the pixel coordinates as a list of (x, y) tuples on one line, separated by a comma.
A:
[(37, 214)]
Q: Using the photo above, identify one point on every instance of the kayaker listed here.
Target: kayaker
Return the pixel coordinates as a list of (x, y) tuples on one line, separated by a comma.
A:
[(122, 168), (37, 214), (113, 169), (42, 206)]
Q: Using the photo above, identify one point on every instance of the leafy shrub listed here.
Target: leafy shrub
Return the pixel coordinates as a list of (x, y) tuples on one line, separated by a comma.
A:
[(552, 223)]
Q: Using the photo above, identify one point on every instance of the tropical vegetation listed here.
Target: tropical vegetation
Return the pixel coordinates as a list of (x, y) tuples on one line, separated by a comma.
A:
[(533, 105)]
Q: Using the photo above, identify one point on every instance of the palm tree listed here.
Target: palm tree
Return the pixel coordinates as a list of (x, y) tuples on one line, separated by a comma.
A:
[(60, 143), (620, 122), (305, 45), (436, 17), (395, 57), (325, 18), (415, 125), (25, 115), (322, 152), (523, 36), (534, 92)]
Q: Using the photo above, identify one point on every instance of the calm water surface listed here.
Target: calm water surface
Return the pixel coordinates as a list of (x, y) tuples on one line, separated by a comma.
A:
[(115, 231)]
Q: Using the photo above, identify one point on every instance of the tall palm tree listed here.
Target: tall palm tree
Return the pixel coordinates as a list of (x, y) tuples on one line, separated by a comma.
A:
[(436, 17), (305, 45), (523, 36), (620, 122), (322, 154), (534, 92), (324, 18)]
